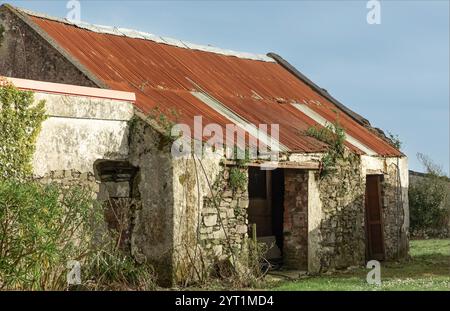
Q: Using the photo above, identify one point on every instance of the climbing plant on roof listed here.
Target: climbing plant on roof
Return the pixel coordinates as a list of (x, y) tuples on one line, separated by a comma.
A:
[(20, 123), (334, 136)]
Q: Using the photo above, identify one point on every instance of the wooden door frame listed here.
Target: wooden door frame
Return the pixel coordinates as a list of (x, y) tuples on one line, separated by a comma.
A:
[(366, 219)]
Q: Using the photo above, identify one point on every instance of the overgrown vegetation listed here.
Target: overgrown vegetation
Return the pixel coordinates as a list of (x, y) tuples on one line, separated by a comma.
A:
[(334, 136), (395, 140), (20, 124), (164, 122), (43, 227), (248, 271), (244, 263), (429, 201), (238, 179)]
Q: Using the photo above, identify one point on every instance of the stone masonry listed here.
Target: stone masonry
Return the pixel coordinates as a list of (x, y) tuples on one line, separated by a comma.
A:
[(224, 226), (342, 225), (295, 246)]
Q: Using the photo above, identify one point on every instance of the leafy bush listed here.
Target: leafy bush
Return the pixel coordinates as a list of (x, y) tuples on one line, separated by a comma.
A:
[(42, 227), (429, 200)]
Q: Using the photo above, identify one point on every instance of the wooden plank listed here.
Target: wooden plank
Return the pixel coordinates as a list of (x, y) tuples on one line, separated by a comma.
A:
[(310, 165)]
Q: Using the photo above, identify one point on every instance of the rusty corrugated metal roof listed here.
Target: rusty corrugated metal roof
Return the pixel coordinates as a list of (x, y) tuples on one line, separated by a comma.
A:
[(164, 75)]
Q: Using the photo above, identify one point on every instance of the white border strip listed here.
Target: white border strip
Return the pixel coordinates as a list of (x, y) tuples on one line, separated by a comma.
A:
[(68, 89), (135, 34)]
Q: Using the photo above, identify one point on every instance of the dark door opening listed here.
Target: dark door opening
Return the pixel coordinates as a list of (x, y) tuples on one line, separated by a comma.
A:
[(278, 206), (266, 208), (374, 218), (119, 195)]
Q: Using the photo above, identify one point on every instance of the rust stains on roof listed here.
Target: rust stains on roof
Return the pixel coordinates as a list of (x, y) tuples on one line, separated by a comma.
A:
[(164, 75)]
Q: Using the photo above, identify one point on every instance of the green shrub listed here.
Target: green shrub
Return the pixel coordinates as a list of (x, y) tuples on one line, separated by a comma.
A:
[(42, 227), (238, 179), (429, 200)]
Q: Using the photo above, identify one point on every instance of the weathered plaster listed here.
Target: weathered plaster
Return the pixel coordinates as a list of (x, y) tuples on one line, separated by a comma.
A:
[(152, 236), (314, 220), (80, 131)]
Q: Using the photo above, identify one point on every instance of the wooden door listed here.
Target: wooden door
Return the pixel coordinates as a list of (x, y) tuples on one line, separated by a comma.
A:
[(374, 219)]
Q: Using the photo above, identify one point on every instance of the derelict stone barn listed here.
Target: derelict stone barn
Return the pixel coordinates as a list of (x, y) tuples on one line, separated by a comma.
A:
[(100, 83)]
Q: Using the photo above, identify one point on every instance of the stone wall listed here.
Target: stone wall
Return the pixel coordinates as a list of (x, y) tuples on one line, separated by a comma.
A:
[(395, 202), (206, 233), (69, 178), (393, 215), (152, 236), (336, 207), (342, 226), (25, 54), (295, 246), (224, 225)]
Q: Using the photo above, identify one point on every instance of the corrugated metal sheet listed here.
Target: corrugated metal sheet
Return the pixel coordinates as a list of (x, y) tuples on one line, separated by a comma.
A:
[(165, 75)]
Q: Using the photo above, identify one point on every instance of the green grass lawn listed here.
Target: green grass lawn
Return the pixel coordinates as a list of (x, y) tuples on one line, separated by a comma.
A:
[(428, 269)]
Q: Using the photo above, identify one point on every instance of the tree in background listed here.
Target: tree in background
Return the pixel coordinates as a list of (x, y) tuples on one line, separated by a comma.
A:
[(429, 201)]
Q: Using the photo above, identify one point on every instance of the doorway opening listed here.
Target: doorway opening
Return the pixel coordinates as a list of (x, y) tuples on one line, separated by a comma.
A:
[(266, 208), (374, 218), (119, 196)]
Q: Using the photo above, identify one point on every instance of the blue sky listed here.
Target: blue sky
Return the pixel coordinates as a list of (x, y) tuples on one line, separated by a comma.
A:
[(396, 74)]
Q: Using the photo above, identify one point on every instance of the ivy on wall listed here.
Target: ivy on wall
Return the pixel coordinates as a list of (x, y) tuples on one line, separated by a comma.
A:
[(20, 124)]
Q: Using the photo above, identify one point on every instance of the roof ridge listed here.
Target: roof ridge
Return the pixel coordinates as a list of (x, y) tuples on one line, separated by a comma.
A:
[(136, 34)]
